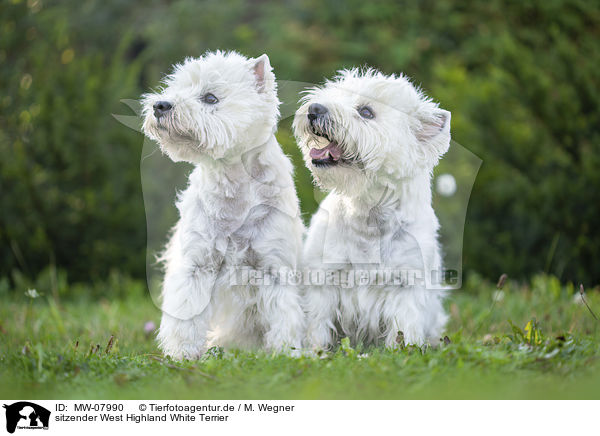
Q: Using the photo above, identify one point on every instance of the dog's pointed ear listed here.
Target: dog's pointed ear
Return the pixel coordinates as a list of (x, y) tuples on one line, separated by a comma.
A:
[(434, 135), (433, 125), (262, 72)]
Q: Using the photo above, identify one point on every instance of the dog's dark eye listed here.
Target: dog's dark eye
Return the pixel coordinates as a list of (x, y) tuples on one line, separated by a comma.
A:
[(366, 112), (209, 99)]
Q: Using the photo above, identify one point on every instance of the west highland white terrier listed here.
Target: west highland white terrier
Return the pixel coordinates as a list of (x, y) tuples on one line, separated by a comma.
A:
[(240, 209), (372, 141)]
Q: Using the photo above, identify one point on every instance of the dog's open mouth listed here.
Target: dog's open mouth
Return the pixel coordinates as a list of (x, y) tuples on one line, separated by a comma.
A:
[(330, 155), (327, 156)]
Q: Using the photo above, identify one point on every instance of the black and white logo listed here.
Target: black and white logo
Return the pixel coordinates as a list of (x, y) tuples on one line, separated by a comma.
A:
[(26, 415)]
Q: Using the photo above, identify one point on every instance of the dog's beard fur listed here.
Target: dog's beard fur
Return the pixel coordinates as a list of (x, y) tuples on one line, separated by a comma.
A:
[(175, 141)]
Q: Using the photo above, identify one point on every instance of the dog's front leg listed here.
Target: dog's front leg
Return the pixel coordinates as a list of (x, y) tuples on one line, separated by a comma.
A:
[(186, 312), (416, 312), (281, 311), (321, 305)]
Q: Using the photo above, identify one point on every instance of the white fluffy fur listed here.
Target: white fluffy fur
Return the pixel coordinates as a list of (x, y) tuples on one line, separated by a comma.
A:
[(239, 210), (378, 213)]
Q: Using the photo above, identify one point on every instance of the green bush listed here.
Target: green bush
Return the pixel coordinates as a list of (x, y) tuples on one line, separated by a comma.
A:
[(70, 186), (521, 80)]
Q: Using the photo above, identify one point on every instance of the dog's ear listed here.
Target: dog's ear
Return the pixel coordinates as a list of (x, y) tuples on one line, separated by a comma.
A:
[(433, 124), (262, 72), (434, 135)]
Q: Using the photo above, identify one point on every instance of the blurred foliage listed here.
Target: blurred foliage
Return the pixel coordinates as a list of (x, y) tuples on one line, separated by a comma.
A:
[(69, 182), (521, 80)]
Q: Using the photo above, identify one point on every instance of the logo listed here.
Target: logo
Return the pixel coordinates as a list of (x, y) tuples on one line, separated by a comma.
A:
[(26, 415)]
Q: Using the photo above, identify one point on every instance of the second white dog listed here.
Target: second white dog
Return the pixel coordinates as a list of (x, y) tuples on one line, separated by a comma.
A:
[(373, 141), (239, 211)]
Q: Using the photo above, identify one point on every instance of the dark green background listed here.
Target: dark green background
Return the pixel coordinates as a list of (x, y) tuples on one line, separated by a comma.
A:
[(521, 80)]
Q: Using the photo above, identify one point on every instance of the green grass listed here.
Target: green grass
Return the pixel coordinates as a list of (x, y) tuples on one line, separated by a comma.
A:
[(49, 349)]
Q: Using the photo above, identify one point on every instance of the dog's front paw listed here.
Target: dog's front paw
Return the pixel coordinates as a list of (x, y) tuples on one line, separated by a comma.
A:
[(184, 351)]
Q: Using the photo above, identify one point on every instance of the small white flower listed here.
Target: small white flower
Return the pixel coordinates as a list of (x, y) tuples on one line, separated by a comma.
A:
[(445, 184), (362, 356), (32, 293), (498, 296), (577, 299)]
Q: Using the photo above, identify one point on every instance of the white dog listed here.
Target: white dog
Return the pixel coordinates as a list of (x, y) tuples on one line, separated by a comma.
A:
[(373, 141), (240, 209)]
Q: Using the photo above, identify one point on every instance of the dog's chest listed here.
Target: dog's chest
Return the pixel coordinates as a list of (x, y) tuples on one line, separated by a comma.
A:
[(224, 217), (374, 239)]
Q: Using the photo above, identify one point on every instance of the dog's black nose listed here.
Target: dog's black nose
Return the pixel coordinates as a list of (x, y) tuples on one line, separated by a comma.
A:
[(161, 108), (316, 110)]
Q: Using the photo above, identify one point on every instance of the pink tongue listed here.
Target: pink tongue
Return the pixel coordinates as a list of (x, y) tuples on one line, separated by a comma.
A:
[(332, 150)]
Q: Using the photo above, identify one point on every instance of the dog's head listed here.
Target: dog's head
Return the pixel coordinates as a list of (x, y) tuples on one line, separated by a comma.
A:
[(214, 106), (364, 125)]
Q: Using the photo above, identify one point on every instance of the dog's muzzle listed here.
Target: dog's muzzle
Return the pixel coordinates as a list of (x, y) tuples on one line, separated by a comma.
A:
[(332, 153)]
